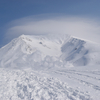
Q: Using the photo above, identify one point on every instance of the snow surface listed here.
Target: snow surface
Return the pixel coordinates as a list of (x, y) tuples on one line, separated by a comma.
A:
[(50, 67)]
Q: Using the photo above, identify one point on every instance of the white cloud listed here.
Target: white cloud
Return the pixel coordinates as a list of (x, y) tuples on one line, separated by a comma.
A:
[(77, 26)]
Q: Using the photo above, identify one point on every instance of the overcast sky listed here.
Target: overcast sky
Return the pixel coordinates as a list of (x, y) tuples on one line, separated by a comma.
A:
[(76, 17)]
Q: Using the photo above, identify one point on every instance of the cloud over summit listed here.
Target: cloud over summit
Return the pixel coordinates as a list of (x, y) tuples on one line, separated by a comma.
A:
[(77, 26)]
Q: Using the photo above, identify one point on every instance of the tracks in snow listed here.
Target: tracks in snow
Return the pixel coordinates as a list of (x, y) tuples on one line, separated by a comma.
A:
[(22, 85), (91, 79)]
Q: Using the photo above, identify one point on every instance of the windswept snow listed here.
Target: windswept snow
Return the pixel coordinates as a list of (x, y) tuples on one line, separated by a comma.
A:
[(50, 67), (23, 85)]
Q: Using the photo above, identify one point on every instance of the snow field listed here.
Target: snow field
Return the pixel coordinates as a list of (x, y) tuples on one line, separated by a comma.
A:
[(22, 85)]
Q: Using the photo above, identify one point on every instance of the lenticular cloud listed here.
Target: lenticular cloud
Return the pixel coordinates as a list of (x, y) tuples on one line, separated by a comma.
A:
[(80, 27)]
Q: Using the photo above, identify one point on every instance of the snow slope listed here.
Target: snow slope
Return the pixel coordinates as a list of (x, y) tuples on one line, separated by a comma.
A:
[(50, 67)]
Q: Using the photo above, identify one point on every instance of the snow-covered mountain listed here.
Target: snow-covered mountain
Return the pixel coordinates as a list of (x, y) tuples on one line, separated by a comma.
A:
[(50, 67), (49, 50)]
